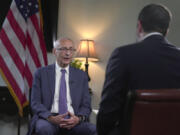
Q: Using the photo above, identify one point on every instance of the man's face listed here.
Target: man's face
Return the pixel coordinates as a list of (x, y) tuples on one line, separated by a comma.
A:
[(64, 53)]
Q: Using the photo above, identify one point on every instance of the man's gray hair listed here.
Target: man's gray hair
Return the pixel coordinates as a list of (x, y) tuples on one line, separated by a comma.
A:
[(61, 41)]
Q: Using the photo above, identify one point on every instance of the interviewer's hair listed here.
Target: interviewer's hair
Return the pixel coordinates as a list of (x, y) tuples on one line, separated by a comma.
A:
[(155, 18)]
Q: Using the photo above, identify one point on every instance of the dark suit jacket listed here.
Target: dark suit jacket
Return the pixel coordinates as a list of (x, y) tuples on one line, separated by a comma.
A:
[(151, 63), (43, 89)]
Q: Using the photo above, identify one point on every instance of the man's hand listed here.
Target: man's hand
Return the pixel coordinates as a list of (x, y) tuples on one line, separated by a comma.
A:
[(69, 123), (58, 119)]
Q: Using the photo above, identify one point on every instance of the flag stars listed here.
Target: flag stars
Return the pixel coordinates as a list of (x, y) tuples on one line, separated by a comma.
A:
[(36, 6), (30, 4), (21, 6), (28, 7)]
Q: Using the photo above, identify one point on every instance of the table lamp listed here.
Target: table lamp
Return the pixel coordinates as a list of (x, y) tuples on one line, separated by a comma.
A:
[(86, 52)]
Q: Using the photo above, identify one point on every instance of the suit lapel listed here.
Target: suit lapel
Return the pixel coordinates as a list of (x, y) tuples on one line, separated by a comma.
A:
[(51, 81), (71, 83)]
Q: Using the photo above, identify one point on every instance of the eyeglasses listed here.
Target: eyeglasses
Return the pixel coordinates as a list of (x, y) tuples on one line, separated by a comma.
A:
[(64, 49)]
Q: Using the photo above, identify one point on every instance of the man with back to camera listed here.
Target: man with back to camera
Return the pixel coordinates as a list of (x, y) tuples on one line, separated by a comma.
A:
[(151, 63), (60, 98)]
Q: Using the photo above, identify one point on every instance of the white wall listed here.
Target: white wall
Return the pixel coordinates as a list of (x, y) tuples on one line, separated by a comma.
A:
[(111, 23)]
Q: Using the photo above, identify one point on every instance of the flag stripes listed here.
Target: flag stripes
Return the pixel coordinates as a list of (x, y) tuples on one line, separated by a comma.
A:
[(22, 49)]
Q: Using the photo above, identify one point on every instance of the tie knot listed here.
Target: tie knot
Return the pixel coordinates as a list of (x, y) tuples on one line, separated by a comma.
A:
[(63, 71)]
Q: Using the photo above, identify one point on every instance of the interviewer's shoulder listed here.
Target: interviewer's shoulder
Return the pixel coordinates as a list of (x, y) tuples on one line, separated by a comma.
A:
[(125, 49), (128, 47)]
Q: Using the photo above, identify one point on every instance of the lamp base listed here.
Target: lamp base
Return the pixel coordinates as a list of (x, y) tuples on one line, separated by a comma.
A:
[(86, 70)]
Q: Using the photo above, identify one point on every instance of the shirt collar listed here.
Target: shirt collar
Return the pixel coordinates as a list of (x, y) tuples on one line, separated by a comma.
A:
[(150, 34), (59, 68)]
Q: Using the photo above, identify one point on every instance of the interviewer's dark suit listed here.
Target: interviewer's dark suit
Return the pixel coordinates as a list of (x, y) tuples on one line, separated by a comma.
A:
[(151, 63), (43, 89)]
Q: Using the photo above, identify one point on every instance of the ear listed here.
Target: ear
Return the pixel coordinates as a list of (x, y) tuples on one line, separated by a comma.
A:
[(139, 27), (167, 32), (54, 51)]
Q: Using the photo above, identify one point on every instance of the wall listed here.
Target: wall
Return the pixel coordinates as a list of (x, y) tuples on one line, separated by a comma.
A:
[(111, 23)]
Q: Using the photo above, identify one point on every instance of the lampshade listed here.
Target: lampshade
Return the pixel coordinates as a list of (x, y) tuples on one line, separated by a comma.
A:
[(86, 50)]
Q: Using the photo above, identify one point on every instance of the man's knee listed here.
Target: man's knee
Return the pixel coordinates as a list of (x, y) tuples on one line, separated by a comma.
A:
[(84, 129), (92, 129), (43, 127)]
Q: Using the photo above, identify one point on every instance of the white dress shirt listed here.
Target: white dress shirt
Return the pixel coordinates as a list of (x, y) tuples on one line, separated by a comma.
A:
[(55, 105), (150, 34)]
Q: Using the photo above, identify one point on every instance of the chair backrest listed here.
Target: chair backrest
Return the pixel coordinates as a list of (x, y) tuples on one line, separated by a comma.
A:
[(153, 112)]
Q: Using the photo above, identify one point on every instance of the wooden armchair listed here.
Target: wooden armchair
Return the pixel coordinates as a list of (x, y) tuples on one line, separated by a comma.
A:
[(152, 112)]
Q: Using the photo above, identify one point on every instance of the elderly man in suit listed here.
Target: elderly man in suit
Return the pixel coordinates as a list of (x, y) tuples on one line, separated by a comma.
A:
[(151, 63), (60, 99)]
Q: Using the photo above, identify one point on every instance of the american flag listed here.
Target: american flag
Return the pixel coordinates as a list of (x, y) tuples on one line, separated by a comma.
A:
[(22, 49)]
